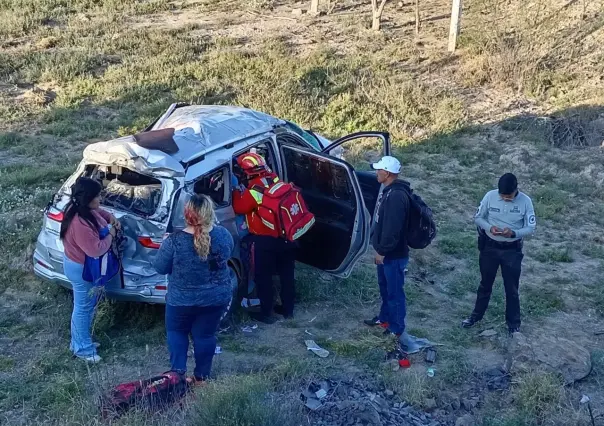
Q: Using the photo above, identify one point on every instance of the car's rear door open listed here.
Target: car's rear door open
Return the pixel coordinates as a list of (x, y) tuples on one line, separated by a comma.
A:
[(331, 190)]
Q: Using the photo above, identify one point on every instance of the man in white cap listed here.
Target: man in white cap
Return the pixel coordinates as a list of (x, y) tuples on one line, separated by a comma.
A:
[(389, 240)]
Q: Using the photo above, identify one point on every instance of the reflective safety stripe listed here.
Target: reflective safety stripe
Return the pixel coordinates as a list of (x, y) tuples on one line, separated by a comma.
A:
[(275, 188), (287, 211), (303, 230), (276, 180), (299, 203), (268, 224), (257, 196), (252, 159)]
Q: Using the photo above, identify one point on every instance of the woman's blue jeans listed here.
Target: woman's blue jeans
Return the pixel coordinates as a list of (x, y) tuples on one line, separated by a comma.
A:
[(202, 323), (83, 310)]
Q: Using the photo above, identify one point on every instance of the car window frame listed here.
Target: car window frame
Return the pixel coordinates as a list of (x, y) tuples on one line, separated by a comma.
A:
[(184, 190), (363, 237)]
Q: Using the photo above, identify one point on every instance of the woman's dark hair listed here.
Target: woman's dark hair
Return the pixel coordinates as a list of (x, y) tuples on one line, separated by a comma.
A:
[(83, 191)]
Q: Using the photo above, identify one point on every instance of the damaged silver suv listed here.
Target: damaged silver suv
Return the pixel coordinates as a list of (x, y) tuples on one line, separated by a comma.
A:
[(147, 188)]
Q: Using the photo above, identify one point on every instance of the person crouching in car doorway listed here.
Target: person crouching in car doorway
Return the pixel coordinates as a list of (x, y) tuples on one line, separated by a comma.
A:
[(81, 231), (199, 285), (272, 254), (390, 243)]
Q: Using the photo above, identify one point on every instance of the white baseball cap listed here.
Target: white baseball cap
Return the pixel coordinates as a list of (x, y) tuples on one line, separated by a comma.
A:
[(389, 164)]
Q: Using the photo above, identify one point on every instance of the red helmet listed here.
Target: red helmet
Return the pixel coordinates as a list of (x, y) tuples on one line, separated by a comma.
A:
[(252, 164)]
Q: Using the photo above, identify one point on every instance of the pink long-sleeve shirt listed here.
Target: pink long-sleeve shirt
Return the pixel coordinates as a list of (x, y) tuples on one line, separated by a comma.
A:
[(81, 239)]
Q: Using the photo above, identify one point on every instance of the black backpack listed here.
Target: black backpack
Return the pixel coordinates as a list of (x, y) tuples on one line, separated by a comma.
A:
[(421, 228)]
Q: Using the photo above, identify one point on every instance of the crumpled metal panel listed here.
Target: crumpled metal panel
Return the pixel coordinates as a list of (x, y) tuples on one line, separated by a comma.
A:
[(126, 153), (217, 125), (136, 258), (140, 199)]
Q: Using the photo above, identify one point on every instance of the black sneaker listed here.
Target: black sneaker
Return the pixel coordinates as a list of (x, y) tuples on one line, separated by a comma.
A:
[(469, 322), (376, 321), (513, 330), (266, 319)]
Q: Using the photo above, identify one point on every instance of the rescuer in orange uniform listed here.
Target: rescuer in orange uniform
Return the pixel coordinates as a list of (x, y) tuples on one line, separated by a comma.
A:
[(272, 254)]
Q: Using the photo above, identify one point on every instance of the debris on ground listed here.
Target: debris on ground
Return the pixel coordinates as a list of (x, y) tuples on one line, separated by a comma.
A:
[(249, 303), (497, 379), (412, 345), (431, 355), (431, 372), (249, 328), (311, 345), (356, 402), (488, 333)]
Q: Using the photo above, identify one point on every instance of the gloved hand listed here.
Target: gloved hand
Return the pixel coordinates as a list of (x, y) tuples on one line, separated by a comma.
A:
[(234, 181)]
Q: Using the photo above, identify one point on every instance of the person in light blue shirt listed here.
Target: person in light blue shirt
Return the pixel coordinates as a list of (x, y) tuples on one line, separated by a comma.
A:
[(504, 218)]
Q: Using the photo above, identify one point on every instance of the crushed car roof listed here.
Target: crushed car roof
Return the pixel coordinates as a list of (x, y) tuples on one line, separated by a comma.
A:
[(198, 129)]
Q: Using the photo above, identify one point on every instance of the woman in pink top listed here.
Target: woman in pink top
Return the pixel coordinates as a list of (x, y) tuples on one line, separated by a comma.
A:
[(80, 228)]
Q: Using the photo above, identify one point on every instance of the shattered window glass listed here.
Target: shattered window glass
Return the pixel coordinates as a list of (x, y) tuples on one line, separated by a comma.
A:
[(127, 190)]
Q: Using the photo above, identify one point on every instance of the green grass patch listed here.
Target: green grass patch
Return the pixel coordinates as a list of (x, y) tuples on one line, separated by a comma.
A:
[(550, 203), (412, 385), (24, 175), (453, 367), (541, 302), (461, 244), (554, 255), (360, 287), (464, 282), (6, 364), (363, 346), (537, 394), (595, 251), (243, 401)]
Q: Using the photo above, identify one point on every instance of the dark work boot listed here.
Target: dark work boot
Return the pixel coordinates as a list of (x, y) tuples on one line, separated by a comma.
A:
[(469, 322)]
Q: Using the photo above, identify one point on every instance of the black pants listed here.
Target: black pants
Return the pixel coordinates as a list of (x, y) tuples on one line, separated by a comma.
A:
[(509, 257), (274, 256)]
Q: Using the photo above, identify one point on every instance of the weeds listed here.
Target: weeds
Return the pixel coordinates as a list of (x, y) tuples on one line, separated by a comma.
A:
[(242, 401), (555, 255), (537, 394), (542, 302)]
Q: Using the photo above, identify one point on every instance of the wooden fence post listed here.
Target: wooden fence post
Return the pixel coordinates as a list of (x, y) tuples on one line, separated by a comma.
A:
[(455, 24), (314, 7), (417, 20)]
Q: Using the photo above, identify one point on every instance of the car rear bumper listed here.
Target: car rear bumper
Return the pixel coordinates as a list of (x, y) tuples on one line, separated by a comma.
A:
[(122, 294)]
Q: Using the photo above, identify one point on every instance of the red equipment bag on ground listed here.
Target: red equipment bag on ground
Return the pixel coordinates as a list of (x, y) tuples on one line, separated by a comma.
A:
[(283, 207), (152, 394)]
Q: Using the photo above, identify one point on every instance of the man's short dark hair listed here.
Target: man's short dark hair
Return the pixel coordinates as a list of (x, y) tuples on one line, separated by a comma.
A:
[(508, 184)]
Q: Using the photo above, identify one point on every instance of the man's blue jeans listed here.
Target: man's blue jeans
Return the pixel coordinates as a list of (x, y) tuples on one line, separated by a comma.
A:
[(391, 279), (202, 323)]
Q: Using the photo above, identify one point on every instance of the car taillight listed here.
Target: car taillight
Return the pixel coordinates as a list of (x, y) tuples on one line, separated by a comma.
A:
[(148, 242), (161, 287), (56, 215)]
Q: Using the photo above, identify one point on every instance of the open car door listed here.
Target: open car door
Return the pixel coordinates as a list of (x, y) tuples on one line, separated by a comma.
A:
[(331, 190), (362, 149)]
